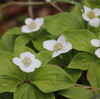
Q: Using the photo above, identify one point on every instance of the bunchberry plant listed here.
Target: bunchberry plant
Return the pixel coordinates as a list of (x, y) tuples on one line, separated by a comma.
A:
[(53, 57)]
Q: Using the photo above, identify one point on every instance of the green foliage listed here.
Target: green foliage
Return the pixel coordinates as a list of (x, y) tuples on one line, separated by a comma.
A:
[(21, 41), (61, 22), (28, 91), (77, 93), (7, 67), (9, 37), (91, 3), (53, 76), (94, 76), (82, 61), (8, 84), (73, 75), (81, 39)]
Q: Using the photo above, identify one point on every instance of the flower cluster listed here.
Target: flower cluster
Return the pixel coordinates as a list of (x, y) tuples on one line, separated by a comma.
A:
[(96, 43), (92, 16), (27, 61)]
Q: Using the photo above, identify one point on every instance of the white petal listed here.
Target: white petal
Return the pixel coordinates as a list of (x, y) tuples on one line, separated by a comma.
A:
[(97, 11), (28, 21), (36, 63), (27, 54), (55, 54), (85, 17), (97, 52), (94, 22), (61, 39), (49, 44), (39, 21), (67, 47), (36, 28), (95, 42), (86, 9), (25, 29), (17, 61), (27, 69)]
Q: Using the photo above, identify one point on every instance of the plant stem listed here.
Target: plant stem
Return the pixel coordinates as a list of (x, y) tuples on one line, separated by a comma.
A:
[(30, 10), (2, 6), (84, 86), (55, 5)]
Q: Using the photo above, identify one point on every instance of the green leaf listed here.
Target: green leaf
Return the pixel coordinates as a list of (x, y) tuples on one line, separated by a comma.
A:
[(7, 67), (44, 56), (56, 24), (76, 12), (80, 39), (21, 41), (77, 93), (28, 91), (38, 43), (15, 30), (22, 49), (8, 84), (93, 75), (1, 46), (9, 37), (51, 78), (81, 61), (91, 3), (73, 74)]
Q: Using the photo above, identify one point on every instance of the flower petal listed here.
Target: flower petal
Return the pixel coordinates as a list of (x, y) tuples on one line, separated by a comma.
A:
[(86, 9), (27, 54), (85, 17), (36, 28), (97, 52), (97, 11), (36, 63), (49, 44), (67, 47), (61, 39), (94, 22), (55, 54), (95, 42), (25, 29), (28, 21), (17, 61), (39, 21), (27, 69)]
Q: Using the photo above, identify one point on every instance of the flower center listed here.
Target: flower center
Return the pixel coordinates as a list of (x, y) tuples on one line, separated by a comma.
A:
[(91, 14), (32, 25), (58, 46), (27, 61)]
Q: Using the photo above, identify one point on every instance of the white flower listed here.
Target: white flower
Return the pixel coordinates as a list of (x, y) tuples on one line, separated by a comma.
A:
[(97, 52), (32, 25), (91, 16), (57, 46), (96, 43), (27, 62)]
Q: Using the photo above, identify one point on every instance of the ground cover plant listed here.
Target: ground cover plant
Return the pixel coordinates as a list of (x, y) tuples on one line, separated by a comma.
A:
[(53, 57)]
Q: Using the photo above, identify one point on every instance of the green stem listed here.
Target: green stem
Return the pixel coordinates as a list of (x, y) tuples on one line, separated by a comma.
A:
[(88, 26)]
